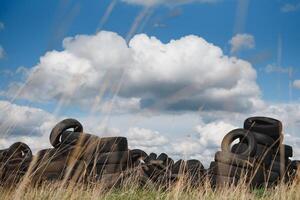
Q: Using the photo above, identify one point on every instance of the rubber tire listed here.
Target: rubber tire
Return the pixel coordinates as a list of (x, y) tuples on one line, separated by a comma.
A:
[(167, 162), (121, 157), (222, 181), (263, 153), (238, 172), (179, 167), (137, 154), (287, 150), (268, 126), (102, 145), (62, 126), (235, 159), (243, 135), (264, 140), (109, 169), (21, 149), (152, 156)]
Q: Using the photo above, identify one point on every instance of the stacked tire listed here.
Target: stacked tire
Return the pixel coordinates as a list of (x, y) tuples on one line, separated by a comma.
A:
[(271, 130), (80, 156), (243, 161), (14, 163)]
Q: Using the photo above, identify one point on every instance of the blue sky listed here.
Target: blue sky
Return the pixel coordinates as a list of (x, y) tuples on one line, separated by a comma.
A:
[(270, 43)]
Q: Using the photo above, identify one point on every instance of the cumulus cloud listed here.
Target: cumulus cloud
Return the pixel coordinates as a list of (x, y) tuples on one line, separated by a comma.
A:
[(278, 69), (2, 52), (165, 2), (148, 140), (241, 42), (184, 74), (2, 26), (288, 7), (296, 84), (18, 120)]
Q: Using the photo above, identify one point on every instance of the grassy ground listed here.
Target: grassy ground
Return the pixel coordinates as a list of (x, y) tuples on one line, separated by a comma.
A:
[(178, 191)]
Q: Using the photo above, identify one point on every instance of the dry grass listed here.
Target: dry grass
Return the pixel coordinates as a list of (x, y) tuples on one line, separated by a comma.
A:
[(180, 190)]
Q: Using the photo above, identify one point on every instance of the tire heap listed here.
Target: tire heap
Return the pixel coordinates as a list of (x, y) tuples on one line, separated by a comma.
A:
[(259, 158)]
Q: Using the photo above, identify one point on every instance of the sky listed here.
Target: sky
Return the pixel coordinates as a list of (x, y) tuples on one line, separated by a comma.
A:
[(172, 76)]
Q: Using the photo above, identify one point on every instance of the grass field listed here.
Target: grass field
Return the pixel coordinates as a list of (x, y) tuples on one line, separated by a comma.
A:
[(130, 191)]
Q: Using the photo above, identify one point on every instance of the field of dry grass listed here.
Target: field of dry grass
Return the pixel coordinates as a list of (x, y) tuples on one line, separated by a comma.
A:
[(180, 190)]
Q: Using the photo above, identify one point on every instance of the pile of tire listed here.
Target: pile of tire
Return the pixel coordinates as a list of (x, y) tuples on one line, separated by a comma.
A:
[(163, 172), (80, 156), (258, 158), (254, 159), (14, 162)]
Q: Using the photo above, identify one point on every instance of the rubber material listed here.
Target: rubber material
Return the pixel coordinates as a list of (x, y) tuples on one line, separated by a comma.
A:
[(234, 159), (268, 126), (62, 126), (137, 154), (101, 145), (21, 149), (223, 181), (121, 157), (263, 153), (244, 136)]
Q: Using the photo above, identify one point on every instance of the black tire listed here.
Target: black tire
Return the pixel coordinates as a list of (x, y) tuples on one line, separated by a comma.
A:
[(223, 181), (179, 167), (255, 175), (264, 139), (21, 149), (286, 149), (295, 164), (152, 156), (268, 126), (166, 161), (271, 176), (109, 169), (102, 145), (121, 157), (244, 136), (137, 154), (62, 126), (263, 153), (235, 159), (194, 166)]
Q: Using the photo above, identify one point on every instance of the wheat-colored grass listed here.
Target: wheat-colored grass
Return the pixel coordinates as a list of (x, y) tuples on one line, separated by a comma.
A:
[(130, 190)]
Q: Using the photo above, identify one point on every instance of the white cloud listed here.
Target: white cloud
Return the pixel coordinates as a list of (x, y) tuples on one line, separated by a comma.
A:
[(296, 84), (279, 69), (147, 140), (2, 52), (165, 2), (241, 42), (290, 7), (26, 124), (2, 26), (184, 74)]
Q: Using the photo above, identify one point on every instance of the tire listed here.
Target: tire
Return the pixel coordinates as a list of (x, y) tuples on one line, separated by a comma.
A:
[(264, 140), (255, 175), (223, 181), (152, 156), (295, 164), (263, 153), (62, 126), (121, 157), (243, 135), (286, 149), (179, 167), (101, 145), (194, 166), (235, 159), (277, 167), (166, 161), (271, 176), (137, 154), (108, 169), (268, 126), (20, 150)]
